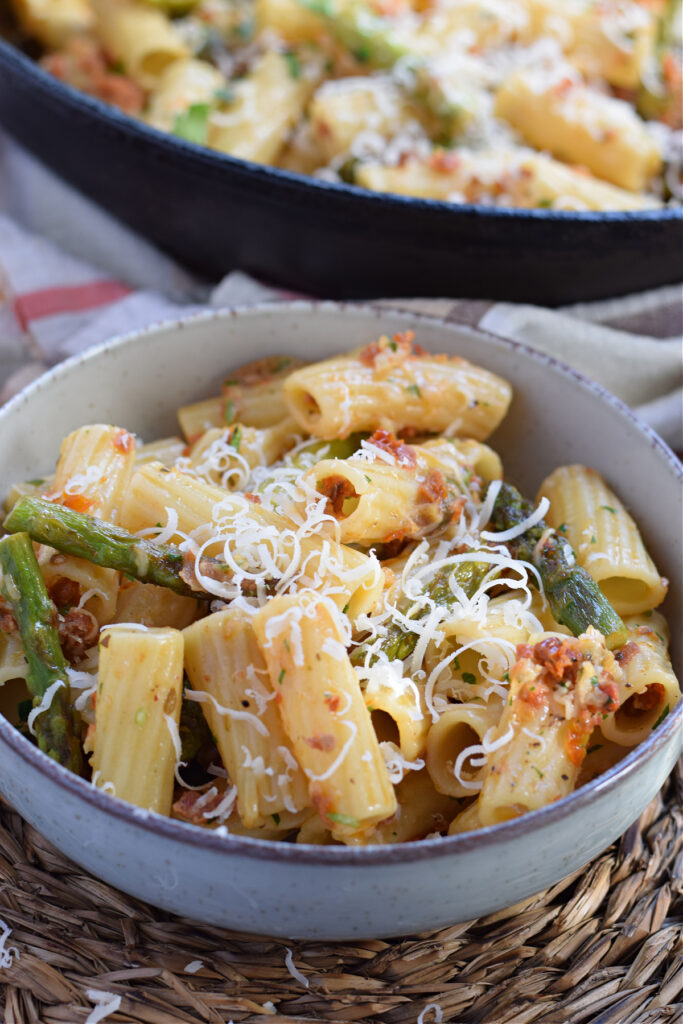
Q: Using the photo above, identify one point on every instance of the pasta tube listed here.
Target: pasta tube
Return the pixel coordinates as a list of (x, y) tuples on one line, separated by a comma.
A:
[(649, 689), (560, 689), (54, 22), (422, 812), (224, 455), (93, 472), (401, 494), (523, 178), (182, 85), (141, 38), (323, 712), (466, 821), (136, 741), (459, 729), (605, 538), (579, 125), (239, 531), (387, 692), (154, 606), (13, 663), (613, 40), (341, 109), (388, 384), (197, 418), (229, 676), (266, 105)]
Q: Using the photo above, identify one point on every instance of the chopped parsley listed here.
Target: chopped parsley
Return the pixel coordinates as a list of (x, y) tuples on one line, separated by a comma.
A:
[(594, 539), (545, 204), (281, 676), (608, 508), (276, 818), (596, 746), (392, 344), (345, 609), (37, 482), (469, 678), (236, 438), (415, 390), (537, 770), (286, 643), (229, 413), (562, 528), (193, 124), (369, 480)]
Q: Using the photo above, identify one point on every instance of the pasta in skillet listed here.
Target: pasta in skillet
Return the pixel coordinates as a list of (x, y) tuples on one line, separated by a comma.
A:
[(327, 618), (568, 104)]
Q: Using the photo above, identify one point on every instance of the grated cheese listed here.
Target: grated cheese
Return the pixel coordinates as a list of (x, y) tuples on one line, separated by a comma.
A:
[(8, 954), (296, 974), (516, 531), (202, 697), (193, 966), (106, 1003), (434, 1008), (45, 702)]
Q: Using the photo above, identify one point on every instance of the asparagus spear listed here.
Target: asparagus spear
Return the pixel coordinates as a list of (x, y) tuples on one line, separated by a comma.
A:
[(57, 728), (400, 643), (574, 597), (104, 544), (372, 40)]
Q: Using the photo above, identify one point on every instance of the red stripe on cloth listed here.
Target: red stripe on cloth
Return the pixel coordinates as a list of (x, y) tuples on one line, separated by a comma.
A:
[(67, 299)]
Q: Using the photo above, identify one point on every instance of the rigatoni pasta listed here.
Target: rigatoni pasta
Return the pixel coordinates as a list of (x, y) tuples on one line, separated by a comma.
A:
[(331, 620), (455, 100)]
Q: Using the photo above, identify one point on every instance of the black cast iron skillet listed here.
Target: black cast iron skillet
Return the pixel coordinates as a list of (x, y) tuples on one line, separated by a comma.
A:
[(215, 213)]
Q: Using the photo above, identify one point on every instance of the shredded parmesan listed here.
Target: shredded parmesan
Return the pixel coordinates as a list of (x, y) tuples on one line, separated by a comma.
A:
[(106, 1003), (106, 787), (202, 697), (193, 966), (8, 954), (431, 1008), (45, 703), (516, 531), (296, 974)]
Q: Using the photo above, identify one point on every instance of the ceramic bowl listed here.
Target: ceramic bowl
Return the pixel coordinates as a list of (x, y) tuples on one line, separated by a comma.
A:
[(337, 892)]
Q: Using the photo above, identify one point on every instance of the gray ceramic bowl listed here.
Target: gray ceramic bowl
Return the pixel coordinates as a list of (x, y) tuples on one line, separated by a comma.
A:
[(334, 892)]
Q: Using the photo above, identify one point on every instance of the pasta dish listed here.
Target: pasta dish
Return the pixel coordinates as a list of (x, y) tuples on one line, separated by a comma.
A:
[(322, 615), (562, 104)]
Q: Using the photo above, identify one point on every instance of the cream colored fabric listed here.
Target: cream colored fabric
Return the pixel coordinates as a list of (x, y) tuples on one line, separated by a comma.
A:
[(58, 251)]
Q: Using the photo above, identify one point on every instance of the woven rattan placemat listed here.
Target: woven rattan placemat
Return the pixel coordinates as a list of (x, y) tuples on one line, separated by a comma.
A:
[(604, 946)]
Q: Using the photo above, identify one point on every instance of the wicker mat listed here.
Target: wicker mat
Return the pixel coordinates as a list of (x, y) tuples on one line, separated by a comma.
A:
[(604, 946)]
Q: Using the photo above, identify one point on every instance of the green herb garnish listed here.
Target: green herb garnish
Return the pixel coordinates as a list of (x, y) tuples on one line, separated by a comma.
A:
[(193, 124)]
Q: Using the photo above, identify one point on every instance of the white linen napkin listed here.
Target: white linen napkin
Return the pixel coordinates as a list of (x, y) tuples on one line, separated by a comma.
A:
[(71, 276)]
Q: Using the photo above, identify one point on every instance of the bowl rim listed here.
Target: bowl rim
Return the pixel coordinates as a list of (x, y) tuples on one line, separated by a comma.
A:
[(342, 856), (341, 193)]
